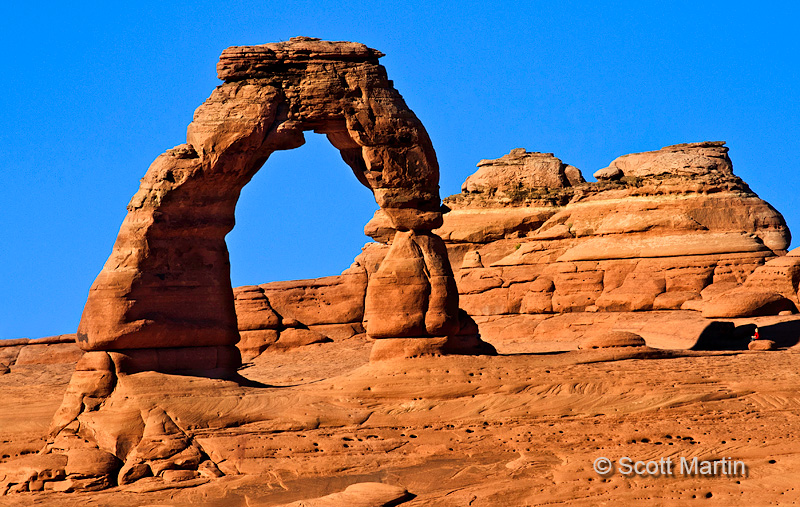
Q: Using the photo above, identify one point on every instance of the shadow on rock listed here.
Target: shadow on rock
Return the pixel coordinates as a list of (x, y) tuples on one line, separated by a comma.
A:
[(722, 336), (784, 334)]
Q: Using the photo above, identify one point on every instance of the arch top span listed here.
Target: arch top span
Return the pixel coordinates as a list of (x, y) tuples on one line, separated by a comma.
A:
[(167, 281), (333, 88)]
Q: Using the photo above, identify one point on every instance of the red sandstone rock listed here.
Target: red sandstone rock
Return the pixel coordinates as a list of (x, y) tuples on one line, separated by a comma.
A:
[(363, 494), (47, 350), (678, 223), (20, 474), (167, 282), (210, 361), (329, 300), (413, 292), (89, 462), (762, 345), (9, 353), (612, 340), (781, 275), (253, 310), (253, 343), (163, 447), (297, 337), (529, 244), (520, 169), (380, 227), (638, 292), (49, 353), (746, 302), (690, 158), (485, 225)]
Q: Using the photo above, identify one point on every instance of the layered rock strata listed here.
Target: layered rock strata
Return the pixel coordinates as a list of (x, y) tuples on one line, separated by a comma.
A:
[(542, 255), (666, 227), (47, 350)]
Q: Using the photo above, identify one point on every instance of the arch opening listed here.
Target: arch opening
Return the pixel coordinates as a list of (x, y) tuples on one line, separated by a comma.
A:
[(301, 216)]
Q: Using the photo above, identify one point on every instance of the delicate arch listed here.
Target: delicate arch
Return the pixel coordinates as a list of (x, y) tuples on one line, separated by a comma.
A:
[(167, 281)]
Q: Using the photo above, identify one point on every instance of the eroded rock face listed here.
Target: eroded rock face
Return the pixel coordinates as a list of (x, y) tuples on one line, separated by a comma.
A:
[(661, 230), (680, 159), (167, 283), (676, 230), (521, 170)]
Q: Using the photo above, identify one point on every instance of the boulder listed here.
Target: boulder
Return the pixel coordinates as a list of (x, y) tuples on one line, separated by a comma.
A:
[(744, 302), (520, 170), (762, 345), (90, 462), (689, 159), (608, 173), (612, 339)]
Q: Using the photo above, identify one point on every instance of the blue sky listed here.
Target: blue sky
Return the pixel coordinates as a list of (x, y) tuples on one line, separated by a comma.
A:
[(93, 93)]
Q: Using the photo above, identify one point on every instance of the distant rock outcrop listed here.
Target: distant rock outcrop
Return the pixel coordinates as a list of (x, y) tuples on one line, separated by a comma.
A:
[(535, 248), (520, 170), (670, 224), (47, 350), (690, 159)]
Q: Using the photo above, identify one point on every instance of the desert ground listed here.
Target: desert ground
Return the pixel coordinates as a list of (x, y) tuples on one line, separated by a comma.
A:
[(520, 428)]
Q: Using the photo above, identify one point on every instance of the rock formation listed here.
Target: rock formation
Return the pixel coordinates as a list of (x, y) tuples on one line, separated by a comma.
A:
[(163, 302), (166, 284), (48, 350), (520, 170), (612, 340), (671, 225), (661, 243), (542, 255)]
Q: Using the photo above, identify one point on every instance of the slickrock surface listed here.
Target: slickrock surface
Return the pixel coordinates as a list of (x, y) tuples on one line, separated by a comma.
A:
[(519, 429)]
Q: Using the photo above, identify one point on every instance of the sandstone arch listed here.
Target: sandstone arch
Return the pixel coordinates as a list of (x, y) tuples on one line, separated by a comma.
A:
[(165, 289)]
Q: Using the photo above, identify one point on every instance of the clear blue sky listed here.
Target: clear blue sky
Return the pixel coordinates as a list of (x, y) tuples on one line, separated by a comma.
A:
[(93, 93)]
